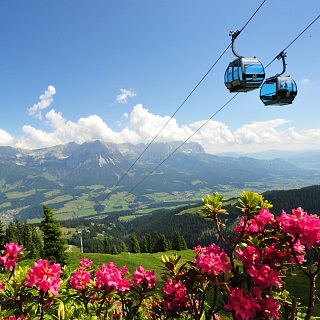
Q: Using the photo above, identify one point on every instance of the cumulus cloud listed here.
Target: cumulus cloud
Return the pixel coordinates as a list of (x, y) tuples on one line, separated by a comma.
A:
[(142, 126), (6, 139), (125, 95), (46, 100)]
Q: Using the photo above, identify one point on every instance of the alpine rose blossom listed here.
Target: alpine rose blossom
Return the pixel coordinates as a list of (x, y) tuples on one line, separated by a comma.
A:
[(264, 276), (175, 296), (45, 276), (263, 218), (80, 279), (244, 306), (9, 259), (110, 277), (85, 263), (249, 256), (301, 224), (251, 226), (141, 276), (270, 307), (211, 260)]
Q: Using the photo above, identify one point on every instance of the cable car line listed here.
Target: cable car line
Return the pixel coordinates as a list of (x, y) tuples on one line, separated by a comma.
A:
[(184, 101), (281, 90), (252, 16), (278, 56), (176, 149), (296, 38)]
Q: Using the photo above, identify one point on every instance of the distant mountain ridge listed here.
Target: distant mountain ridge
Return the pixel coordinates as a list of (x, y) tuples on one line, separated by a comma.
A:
[(68, 173), (306, 159)]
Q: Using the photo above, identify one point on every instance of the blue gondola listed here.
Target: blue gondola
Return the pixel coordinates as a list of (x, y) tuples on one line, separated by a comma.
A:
[(243, 74), (278, 90)]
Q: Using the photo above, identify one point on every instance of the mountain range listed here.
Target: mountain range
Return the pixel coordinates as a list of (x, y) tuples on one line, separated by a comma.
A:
[(97, 178)]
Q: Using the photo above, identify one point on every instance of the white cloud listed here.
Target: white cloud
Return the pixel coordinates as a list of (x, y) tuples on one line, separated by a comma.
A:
[(305, 81), (142, 126), (6, 139), (125, 95), (46, 100)]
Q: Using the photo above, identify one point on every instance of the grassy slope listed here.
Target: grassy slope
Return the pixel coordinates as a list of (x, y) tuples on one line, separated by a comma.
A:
[(297, 285)]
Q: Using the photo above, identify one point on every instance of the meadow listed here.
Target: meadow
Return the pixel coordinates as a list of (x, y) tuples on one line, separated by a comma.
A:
[(297, 285)]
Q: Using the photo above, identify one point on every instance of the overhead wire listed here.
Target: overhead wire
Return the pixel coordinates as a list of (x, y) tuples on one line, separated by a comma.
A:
[(184, 101), (184, 142), (177, 148), (296, 38)]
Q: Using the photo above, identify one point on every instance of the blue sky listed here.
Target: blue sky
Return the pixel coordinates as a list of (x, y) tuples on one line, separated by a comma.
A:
[(117, 71)]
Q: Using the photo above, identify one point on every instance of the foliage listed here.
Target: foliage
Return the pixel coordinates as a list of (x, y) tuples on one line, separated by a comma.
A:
[(246, 278), (54, 245)]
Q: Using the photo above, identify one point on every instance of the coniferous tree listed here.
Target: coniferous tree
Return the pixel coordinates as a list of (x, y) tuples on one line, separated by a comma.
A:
[(26, 240), (135, 247), (178, 242), (106, 245), (11, 235), (124, 247), (19, 230), (54, 245), (36, 240), (114, 249), (147, 243), (2, 234), (161, 243)]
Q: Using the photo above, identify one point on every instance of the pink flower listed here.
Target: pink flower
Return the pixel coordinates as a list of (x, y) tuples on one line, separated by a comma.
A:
[(301, 224), (9, 260), (256, 224), (45, 276), (110, 277), (249, 256), (211, 260), (264, 276), (273, 256), (118, 311), (80, 279), (12, 318), (270, 308), (244, 306), (263, 218), (251, 226), (85, 263), (1, 286), (175, 296), (140, 276)]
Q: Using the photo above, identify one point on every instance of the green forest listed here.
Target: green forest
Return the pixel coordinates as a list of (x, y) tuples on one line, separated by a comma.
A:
[(158, 231)]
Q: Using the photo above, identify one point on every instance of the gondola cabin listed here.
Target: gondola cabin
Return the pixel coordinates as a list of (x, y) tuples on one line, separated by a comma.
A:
[(244, 74), (278, 90)]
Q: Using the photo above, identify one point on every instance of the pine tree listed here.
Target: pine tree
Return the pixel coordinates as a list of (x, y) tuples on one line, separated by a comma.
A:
[(106, 245), (135, 247), (11, 235), (147, 243), (39, 250), (123, 247), (178, 242), (19, 230), (2, 234), (161, 243), (114, 249), (54, 245)]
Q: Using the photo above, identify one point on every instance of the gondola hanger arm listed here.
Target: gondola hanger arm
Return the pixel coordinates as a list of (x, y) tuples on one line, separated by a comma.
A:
[(234, 35), (282, 56)]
